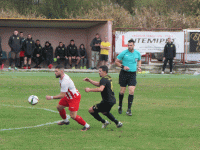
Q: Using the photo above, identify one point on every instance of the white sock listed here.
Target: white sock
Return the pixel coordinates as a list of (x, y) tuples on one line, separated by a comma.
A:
[(87, 125), (66, 120)]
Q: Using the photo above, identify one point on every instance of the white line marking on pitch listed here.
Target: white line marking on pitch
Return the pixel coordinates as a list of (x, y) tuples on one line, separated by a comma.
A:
[(49, 123)]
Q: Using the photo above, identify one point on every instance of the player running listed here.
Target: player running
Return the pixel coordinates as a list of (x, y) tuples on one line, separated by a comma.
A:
[(106, 88), (70, 97)]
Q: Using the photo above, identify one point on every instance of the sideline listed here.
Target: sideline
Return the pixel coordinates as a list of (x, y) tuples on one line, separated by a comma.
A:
[(49, 123)]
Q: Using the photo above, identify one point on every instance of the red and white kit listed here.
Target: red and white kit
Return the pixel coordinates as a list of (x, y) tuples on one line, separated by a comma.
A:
[(72, 97)]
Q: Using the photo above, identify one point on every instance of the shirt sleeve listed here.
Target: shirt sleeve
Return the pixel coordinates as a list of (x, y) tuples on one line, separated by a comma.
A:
[(103, 81), (120, 56), (139, 56), (64, 87)]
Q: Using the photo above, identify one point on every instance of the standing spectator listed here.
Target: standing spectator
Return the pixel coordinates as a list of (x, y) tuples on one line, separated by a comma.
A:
[(127, 60), (48, 54), (15, 45), (37, 54), (1, 56), (95, 44), (169, 54), (28, 47), (21, 54), (105, 47), (83, 56), (60, 54), (73, 54)]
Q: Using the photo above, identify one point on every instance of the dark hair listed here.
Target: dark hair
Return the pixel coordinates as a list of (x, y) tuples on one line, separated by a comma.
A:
[(83, 46), (60, 42), (60, 67), (131, 40), (97, 33), (104, 68), (20, 32), (37, 40), (72, 40)]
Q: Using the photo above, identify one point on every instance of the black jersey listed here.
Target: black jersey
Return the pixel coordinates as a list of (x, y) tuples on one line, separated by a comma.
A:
[(107, 94)]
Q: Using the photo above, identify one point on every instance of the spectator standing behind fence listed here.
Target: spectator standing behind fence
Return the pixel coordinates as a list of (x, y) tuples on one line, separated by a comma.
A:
[(73, 54), (95, 44), (83, 56), (48, 54), (21, 54), (37, 54), (169, 55), (60, 54), (1, 56), (105, 47), (15, 45), (28, 46)]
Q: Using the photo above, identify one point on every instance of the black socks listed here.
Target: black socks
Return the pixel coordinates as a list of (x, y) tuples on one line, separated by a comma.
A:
[(130, 101)]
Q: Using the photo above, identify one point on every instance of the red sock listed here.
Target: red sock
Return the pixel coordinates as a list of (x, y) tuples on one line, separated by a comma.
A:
[(63, 113), (80, 120)]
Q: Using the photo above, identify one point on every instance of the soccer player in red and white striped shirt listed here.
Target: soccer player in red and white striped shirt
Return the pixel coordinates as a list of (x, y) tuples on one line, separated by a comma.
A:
[(70, 97)]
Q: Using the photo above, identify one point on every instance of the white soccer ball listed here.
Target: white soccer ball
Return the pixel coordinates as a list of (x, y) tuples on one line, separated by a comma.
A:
[(33, 99)]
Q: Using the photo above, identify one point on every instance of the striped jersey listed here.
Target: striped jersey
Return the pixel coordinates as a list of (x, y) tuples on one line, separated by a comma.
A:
[(67, 86)]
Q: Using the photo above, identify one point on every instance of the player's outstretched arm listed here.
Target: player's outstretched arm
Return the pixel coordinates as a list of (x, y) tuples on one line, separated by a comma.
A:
[(100, 89), (61, 95), (91, 81)]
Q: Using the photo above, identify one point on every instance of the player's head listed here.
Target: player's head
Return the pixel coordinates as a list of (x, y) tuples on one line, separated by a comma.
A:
[(47, 43), (131, 44), (15, 32), (97, 35), (82, 46), (103, 70), (106, 39), (169, 40), (37, 42), (72, 42), (59, 71), (60, 44), (29, 36), (21, 34)]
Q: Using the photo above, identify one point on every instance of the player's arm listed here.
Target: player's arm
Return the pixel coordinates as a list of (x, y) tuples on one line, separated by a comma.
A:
[(119, 64), (139, 65), (99, 89), (61, 95), (95, 83)]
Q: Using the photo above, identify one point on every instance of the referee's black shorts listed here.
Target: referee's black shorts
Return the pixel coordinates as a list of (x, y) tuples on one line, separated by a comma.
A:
[(127, 78)]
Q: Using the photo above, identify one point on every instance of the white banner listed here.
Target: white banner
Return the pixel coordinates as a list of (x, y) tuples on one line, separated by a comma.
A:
[(149, 41)]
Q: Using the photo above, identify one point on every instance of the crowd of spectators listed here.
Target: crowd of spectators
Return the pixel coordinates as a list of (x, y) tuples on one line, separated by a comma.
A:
[(24, 51)]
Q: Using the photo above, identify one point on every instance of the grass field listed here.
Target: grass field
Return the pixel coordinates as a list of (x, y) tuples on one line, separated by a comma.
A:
[(166, 112)]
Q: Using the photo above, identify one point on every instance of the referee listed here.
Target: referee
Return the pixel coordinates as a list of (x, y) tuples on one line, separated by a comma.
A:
[(127, 60)]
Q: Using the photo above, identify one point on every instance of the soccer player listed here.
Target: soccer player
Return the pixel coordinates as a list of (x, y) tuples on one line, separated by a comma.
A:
[(128, 60), (108, 99), (70, 97)]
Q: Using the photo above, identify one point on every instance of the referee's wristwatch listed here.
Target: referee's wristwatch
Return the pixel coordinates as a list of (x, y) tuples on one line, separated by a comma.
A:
[(122, 66)]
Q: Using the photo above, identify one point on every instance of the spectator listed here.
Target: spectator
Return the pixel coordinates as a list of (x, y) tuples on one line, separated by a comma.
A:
[(95, 44), (21, 54), (73, 54), (28, 47), (48, 54), (83, 56), (60, 54), (105, 47), (169, 54), (15, 44), (1, 56), (37, 54)]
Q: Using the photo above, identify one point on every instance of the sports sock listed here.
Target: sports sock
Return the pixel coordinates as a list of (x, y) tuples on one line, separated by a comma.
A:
[(97, 117), (130, 101), (63, 114), (80, 120), (87, 125), (121, 96), (112, 118)]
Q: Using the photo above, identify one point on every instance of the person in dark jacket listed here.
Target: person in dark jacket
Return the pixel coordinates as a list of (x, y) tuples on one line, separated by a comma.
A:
[(169, 55), (95, 44), (15, 44), (21, 54), (73, 53), (1, 56), (28, 46), (37, 54), (83, 56), (48, 54), (60, 53)]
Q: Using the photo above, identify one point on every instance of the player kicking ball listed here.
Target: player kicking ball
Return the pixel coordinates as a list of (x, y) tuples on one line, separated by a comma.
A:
[(70, 97), (106, 88)]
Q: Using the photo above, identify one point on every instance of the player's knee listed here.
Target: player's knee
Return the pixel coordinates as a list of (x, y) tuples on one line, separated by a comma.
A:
[(73, 116), (91, 110), (58, 108)]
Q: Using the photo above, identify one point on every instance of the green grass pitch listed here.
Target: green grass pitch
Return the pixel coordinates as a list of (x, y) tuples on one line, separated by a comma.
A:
[(166, 112)]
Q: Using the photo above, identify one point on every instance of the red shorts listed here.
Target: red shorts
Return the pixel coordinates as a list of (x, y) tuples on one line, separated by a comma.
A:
[(73, 104)]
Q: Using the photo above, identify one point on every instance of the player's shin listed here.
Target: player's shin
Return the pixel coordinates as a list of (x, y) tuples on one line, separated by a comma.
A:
[(80, 120), (112, 118), (121, 96), (130, 101), (97, 117), (63, 114)]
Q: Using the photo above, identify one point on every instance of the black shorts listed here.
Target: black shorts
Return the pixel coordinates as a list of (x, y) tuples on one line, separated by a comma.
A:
[(103, 57), (28, 56), (102, 107), (127, 78)]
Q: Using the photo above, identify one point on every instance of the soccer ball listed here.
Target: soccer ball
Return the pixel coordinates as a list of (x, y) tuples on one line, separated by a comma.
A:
[(33, 99)]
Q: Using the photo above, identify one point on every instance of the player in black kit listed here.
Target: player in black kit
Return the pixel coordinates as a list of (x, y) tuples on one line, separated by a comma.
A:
[(108, 99)]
